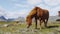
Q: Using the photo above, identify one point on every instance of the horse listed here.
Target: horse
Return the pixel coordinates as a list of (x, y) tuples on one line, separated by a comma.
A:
[(39, 14)]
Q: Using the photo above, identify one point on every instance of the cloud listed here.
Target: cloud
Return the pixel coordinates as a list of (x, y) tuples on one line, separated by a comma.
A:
[(43, 6), (21, 5), (2, 11), (52, 2), (13, 0), (16, 14), (55, 10), (13, 14), (1, 8), (33, 2), (10, 15), (5, 13)]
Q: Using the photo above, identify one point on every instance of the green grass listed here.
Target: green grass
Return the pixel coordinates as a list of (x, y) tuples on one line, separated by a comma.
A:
[(21, 28)]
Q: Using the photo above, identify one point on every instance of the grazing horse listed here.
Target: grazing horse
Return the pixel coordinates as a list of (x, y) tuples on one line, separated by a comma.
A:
[(38, 14)]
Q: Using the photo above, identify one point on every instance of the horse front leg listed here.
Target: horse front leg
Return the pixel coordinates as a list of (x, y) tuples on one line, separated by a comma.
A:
[(35, 23), (45, 22), (40, 24)]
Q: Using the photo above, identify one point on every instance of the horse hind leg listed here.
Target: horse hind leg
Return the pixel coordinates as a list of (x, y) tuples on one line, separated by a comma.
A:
[(45, 22)]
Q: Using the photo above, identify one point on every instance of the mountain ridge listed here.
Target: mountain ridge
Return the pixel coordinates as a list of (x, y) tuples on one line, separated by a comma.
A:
[(2, 18)]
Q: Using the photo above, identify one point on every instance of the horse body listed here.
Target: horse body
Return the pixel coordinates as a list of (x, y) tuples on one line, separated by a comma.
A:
[(38, 14), (43, 16)]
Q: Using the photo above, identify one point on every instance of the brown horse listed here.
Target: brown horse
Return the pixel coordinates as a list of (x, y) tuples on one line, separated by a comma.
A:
[(38, 14)]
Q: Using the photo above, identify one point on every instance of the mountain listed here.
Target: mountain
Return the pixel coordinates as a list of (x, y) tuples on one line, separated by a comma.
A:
[(10, 19), (21, 19), (53, 18), (2, 18)]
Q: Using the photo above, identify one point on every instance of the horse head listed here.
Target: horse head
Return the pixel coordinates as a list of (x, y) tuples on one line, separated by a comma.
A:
[(28, 20)]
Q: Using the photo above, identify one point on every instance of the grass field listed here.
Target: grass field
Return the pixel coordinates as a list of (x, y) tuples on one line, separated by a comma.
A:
[(15, 28)]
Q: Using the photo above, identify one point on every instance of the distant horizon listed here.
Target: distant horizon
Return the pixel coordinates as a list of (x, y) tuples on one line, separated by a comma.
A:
[(22, 16)]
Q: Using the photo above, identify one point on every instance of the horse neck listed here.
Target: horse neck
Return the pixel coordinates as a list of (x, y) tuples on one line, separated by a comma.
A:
[(31, 16)]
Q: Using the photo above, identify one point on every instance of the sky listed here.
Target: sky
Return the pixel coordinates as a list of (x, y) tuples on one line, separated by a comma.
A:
[(17, 8)]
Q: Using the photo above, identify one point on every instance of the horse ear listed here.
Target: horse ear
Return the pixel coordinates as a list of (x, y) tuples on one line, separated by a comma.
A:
[(35, 6)]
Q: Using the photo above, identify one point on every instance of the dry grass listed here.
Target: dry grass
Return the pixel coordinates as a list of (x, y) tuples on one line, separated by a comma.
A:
[(53, 28)]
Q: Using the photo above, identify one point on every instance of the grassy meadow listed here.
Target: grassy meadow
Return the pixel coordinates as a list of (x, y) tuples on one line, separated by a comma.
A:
[(20, 28)]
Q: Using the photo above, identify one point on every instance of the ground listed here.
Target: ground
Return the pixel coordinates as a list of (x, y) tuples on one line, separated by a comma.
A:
[(20, 28)]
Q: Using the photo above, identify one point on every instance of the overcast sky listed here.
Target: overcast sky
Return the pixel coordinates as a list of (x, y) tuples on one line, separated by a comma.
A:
[(16, 8)]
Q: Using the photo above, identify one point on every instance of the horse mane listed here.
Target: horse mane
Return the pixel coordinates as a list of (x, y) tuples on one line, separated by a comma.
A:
[(34, 10)]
